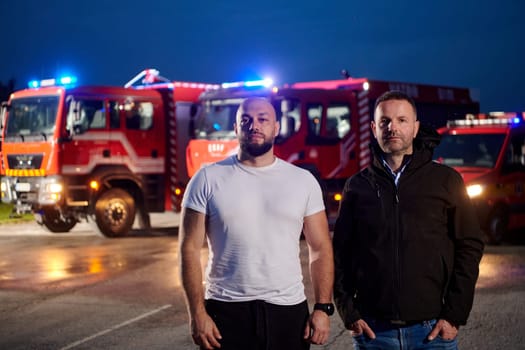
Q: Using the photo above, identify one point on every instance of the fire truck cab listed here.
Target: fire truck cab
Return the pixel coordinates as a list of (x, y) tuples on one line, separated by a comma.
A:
[(488, 150), (100, 153), (325, 125)]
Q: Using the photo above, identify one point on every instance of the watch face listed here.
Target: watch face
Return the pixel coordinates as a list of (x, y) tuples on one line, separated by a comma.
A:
[(330, 309)]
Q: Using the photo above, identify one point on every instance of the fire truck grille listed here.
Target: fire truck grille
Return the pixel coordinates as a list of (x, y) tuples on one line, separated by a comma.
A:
[(24, 161)]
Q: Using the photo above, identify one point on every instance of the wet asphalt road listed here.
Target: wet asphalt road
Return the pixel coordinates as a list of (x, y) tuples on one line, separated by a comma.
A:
[(83, 291)]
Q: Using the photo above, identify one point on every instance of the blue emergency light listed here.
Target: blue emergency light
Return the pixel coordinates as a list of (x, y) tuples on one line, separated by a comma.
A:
[(264, 82), (65, 81), (68, 80), (267, 82)]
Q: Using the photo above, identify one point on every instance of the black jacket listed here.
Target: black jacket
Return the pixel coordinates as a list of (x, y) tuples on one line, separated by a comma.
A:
[(409, 252)]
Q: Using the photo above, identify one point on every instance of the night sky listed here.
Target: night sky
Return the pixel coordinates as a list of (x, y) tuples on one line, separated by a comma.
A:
[(478, 44)]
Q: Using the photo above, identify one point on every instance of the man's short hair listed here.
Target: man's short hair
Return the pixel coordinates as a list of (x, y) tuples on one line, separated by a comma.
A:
[(396, 95)]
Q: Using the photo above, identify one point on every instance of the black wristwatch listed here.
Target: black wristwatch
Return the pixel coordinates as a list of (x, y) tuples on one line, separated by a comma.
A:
[(328, 308)]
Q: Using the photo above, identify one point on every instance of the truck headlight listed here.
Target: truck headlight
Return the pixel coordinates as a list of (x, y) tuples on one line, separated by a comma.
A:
[(474, 190), (51, 192), (53, 188)]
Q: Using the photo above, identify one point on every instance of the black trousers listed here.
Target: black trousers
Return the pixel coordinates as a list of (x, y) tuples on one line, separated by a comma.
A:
[(258, 325)]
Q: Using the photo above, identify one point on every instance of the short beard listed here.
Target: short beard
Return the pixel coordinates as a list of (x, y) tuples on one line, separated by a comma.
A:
[(256, 150)]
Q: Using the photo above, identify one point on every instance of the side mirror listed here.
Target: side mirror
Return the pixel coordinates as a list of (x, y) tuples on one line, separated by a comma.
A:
[(3, 114), (76, 120)]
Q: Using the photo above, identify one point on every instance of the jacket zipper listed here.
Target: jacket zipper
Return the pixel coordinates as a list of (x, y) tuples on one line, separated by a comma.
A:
[(396, 245), (396, 241)]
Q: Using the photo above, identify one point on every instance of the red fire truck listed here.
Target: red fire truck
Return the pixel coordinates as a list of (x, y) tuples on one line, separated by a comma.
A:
[(489, 152), (97, 152), (325, 125)]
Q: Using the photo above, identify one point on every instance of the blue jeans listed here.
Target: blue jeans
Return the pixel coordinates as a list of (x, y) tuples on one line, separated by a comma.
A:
[(412, 337)]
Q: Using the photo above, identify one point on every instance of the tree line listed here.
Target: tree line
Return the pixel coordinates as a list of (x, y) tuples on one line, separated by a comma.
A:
[(6, 89)]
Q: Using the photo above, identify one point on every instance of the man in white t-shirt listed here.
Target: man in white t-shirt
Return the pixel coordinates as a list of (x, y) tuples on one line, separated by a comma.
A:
[(252, 208)]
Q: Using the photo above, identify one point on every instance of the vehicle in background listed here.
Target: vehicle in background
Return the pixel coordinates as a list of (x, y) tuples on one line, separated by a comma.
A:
[(325, 125), (488, 150), (100, 153)]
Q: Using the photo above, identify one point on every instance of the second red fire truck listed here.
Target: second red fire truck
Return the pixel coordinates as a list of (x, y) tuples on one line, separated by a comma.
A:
[(325, 125)]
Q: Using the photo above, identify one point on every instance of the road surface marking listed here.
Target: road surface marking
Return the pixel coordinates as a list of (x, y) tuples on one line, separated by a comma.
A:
[(120, 325)]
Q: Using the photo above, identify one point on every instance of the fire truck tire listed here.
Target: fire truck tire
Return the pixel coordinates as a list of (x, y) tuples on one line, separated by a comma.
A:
[(497, 225), (114, 213), (55, 223)]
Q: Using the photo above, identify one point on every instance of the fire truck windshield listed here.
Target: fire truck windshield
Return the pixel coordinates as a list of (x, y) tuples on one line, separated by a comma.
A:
[(215, 122), (469, 150), (31, 117), (217, 117)]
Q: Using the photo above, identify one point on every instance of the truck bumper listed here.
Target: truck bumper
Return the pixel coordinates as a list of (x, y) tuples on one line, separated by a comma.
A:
[(28, 193)]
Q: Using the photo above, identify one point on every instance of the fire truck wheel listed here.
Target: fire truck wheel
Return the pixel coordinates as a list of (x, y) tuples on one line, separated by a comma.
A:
[(54, 222), (114, 213), (497, 226)]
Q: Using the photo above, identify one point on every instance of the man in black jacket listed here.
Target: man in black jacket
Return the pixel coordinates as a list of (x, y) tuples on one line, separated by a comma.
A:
[(407, 242)]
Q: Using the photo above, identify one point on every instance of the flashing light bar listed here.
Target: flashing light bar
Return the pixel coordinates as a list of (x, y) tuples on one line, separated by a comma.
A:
[(516, 116), (491, 121), (62, 81), (250, 83)]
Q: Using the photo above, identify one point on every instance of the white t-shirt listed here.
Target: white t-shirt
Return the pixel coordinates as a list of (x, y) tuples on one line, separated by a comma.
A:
[(255, 219)]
